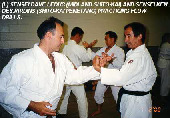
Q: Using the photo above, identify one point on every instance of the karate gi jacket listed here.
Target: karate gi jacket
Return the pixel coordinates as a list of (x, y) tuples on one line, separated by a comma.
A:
[(77, 54), (29, 76), (164, 56), (119, 56), (137, 74)]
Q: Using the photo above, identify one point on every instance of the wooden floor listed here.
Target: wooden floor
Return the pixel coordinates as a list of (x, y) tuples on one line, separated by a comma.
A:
[(109, 107)]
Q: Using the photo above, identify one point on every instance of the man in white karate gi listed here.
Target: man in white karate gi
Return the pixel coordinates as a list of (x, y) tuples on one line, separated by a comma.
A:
[(137, 75), (32, 82), (116, 63), (164, 67), (77, 54)]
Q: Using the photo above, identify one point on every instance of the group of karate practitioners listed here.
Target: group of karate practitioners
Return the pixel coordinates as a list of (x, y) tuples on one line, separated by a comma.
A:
[(32, 82), (78, 54)]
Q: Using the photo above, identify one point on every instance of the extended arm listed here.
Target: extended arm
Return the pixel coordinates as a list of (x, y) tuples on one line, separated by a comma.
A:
[(81, 75)]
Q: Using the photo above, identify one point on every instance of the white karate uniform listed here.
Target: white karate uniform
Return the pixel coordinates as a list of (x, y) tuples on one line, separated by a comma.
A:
[(137, 74), (117, 64), (164, 68), (29, 77), (77, 54)]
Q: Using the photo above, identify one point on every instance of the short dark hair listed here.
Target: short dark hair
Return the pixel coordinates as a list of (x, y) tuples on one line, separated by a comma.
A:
[(48, 25), (77, 30), (112, 35), (165, 38), (137, 28)]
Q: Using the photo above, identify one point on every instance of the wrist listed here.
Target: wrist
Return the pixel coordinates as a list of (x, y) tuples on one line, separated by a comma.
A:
[(31, 105), (97, 68)]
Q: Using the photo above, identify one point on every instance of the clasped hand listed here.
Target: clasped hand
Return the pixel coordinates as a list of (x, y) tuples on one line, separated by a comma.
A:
[(41, 108), (101, 61)]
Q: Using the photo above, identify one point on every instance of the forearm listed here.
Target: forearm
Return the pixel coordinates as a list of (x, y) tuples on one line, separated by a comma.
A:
[(81, 75), (111, 77)]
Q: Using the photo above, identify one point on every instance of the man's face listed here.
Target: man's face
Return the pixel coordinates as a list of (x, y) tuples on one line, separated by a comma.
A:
[(78, 38), (109, 41), (130, 39), (57, 38)]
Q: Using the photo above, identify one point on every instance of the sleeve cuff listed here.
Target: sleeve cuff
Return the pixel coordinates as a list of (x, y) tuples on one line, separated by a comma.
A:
[(110, 76)]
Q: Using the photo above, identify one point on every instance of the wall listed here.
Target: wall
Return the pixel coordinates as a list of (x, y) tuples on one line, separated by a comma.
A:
[(22, 33)]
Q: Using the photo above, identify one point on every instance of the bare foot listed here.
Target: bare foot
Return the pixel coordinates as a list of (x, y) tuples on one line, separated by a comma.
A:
[(95, 113)]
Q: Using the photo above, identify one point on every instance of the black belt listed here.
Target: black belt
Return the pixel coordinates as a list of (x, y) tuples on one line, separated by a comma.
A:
[(123, 91)]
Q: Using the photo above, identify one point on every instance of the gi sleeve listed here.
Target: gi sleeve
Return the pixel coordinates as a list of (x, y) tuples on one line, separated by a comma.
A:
[(119, 60), (116, 77), (10, 97), (83, 54), (81, 75)]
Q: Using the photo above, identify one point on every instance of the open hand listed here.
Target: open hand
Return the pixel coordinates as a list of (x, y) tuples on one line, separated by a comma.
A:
[(93, 43), (85, 44)]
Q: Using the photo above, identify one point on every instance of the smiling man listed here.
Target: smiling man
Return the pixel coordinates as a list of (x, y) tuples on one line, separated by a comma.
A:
[(137, 75), (32, 82)]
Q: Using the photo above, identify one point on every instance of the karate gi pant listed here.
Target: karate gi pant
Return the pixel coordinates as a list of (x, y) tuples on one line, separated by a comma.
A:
[(80, 94), (101, 89), (165, 80)]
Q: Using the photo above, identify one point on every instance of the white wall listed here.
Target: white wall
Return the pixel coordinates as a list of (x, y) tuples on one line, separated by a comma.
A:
[(22, 33)]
